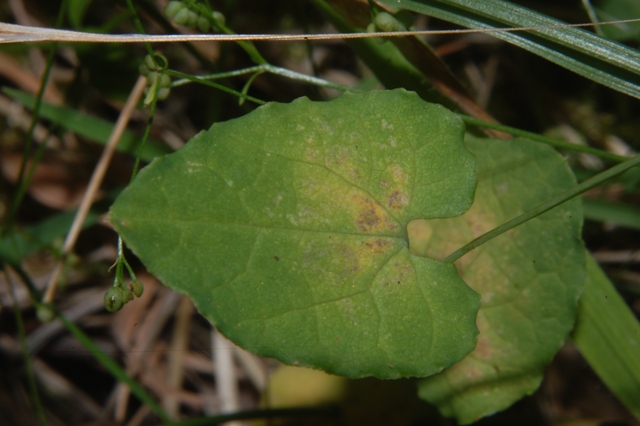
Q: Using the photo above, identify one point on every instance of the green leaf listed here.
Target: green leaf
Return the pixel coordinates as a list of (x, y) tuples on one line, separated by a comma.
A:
[(601, 60), (529, 278), (19, 243), (620, 214), (76, 10), (287, 227), (609, 10), (92, 128), (608, 336)]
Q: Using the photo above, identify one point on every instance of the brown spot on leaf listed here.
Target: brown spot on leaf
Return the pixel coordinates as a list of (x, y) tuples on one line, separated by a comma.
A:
[(398, 174), (378, 245), (371, 217), (350, 260), (397, 200)]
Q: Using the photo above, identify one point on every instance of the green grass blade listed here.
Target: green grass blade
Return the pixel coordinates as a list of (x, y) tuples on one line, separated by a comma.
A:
[(112, 367), (603, 61), (19, 243), (28, 366), (544, 207), (92, 128), (608, 336), (390, 67), (471, 121), (105, 360), (607, 211)]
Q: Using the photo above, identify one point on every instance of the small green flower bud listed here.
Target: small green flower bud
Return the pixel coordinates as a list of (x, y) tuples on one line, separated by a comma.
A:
[(203, 24), (165, 80), (387, 22), (193, 19), (136, 286), (371, 28), (114, 299), (163, 93), (143, 69), (151, 77), (173, 7), (149, 63), (45, 313), (219, 17), (182, 16), (127, 295)]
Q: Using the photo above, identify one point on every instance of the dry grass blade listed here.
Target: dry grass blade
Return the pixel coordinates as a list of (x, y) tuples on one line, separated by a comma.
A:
[(94, 184), (11, 33)]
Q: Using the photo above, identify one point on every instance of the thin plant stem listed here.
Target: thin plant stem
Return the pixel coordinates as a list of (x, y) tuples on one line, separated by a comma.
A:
[(544, 207), (23, 184), (139, 27), (96, 179), (214, 85), (593, 16), (544, 139), (108, 363), (272, 69), (105, 360), (147, 130), (205, 10), (33, 388)]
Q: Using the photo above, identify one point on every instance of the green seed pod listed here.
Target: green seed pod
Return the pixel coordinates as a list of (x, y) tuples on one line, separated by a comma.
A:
[(165, 80), (163, 93), (173, 7), (203, 24), (45, 313), (151, 77), (182, 16), (371, 28), (127, 295), (193, 19), (114, 299), (143, 69), (136, 286), (149, 62), (387, 22), (219, 17)]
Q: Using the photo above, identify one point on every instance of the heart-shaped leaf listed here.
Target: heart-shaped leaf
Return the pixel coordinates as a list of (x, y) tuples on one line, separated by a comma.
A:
[(287, 227), (530, 278)]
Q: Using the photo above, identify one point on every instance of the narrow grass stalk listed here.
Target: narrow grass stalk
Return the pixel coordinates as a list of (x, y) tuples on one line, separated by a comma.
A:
[(113, 368), (94, 184), (23, 183), (105, 360), (544, 139), (147, 130), (214, 85), (206, 11), (33, 388), (139, 27), (544, 207), (272, 69)]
